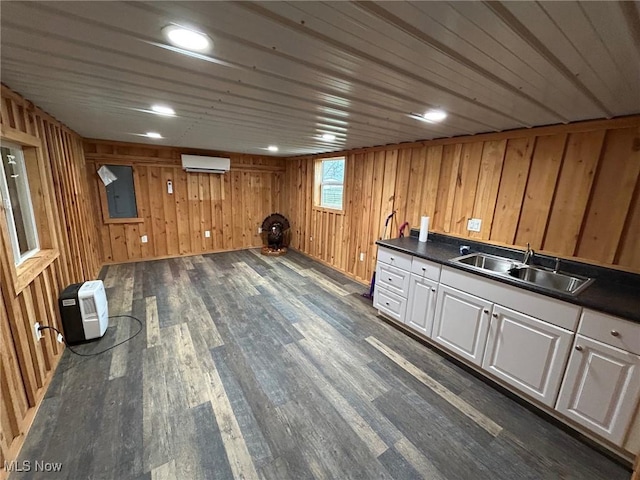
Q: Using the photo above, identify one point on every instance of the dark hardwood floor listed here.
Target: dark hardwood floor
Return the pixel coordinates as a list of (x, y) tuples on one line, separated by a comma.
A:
[(276, 368)]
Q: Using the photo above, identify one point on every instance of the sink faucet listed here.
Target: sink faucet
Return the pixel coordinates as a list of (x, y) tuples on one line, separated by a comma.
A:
[(528, 256), (557, 266)]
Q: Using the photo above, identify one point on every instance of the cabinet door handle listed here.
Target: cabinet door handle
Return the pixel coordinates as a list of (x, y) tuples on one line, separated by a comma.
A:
[(495, 315), (392, 259), (579, 348), (386, 303), (424, 269), (615, 333), (486, 311), (433, 289), (391, 280)]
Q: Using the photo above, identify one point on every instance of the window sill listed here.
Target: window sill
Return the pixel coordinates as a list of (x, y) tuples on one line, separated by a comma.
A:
[(337, 211), (28, 270), (123, 220)]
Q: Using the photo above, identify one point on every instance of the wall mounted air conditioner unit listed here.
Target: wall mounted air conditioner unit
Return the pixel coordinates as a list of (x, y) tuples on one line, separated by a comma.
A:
[(202, 164)]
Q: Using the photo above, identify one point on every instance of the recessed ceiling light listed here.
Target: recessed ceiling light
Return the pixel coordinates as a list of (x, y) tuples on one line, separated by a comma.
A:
[(187, 38), (272, 148), (435, 115), (153, 135), (329, 137), (163, 110)]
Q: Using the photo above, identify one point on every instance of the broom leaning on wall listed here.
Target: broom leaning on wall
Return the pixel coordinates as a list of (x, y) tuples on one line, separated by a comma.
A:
[(382, 237)]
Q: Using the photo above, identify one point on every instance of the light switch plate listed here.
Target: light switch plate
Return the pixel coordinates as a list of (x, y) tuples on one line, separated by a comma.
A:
[(474, 224), (144, 239), (207, 233)]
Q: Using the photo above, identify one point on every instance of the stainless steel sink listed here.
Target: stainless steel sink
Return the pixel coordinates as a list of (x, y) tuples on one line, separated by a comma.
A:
[(492, 263), (558, 281), (541, 277)]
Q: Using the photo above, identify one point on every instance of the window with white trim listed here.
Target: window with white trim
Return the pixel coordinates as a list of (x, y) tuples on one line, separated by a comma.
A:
[(330, 183), (16, 201)]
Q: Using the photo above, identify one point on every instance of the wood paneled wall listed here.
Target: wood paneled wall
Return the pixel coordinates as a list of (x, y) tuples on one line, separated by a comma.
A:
[(27, 365), (571, 191), (231, 206)]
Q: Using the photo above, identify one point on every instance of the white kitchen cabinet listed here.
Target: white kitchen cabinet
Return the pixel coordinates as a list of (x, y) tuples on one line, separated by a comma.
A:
[(393, 272), (523, 340), (461, 323), (393, 279), (611, 330), (601, 388), (425, 268), (395, 259), (390, 303), (422, 304), (551, 310), (527, 353)]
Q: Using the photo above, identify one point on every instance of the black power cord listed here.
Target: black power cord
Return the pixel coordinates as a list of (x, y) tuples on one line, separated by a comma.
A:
[(47, 327)]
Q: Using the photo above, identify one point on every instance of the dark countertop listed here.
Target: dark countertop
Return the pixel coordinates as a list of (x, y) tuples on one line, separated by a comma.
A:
[(612, 292)]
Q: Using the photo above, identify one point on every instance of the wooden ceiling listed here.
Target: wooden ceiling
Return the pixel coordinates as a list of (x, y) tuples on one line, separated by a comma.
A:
[(284, 73)]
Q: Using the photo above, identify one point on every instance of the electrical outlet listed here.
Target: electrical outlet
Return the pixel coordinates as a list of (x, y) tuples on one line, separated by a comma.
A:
[(473, 225), (36, 330), (362, 256), (144, 239), (59, 338), (311, 239), (207, 233), (259, 230)]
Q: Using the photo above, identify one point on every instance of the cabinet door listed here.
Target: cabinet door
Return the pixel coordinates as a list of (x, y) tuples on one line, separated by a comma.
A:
[(527, 353), (461, 323), (601, 388), (422, 304)]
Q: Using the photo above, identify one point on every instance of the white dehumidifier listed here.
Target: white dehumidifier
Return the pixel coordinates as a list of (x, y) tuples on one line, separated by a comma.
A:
[(84, 311)]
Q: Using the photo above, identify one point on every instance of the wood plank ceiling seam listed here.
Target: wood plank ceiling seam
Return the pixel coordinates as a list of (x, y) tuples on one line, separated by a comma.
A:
[(370, 58), (507, 17)]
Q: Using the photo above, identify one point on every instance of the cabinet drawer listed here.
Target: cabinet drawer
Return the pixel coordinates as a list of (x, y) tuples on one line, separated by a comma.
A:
[(611, 330), (397, 259), (393, 279), (426, 269), (389, 303)]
